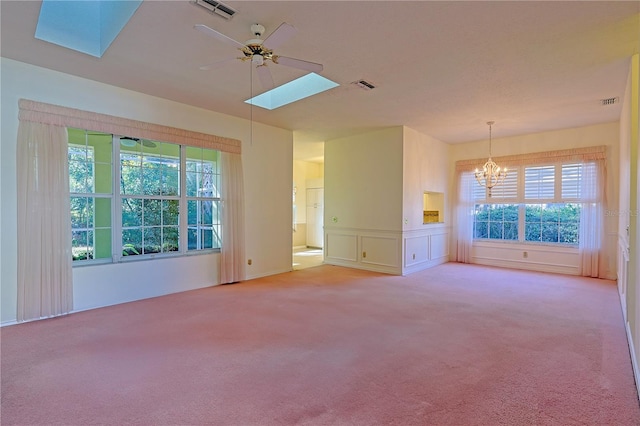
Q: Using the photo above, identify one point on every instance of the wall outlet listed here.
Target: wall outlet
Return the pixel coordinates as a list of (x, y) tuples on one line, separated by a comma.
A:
[(249, 262), (334, 219), (525, 254), (414, 256), (364, 254)]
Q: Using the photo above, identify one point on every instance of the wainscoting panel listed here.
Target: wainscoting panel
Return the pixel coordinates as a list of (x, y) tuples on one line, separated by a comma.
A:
[(425, 248), (391, 252), (416, 250), (380, 250), (562, 260), (341, 247), (439, 246)]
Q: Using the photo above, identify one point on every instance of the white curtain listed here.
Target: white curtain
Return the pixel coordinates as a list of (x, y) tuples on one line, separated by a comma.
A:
[(45, 285), (232, 252), (592, 193), (464, 217)]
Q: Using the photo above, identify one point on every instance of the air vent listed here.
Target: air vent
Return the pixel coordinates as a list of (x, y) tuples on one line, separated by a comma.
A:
[(217, 8), (609, 101), (364, 84)]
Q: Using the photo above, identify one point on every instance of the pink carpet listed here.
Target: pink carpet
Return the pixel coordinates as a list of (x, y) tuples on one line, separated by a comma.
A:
[(453, 345)]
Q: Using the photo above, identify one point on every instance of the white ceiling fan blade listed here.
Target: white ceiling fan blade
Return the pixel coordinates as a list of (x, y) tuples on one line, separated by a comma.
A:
[(266, 79), (299, 63), (216, 64), (279, 36), (215, 34)]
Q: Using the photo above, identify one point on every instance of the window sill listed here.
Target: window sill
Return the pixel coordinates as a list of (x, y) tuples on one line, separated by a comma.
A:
[(531, 246), (142, 258)]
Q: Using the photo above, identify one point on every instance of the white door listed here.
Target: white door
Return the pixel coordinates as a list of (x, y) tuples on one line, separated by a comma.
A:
[(315, 217)]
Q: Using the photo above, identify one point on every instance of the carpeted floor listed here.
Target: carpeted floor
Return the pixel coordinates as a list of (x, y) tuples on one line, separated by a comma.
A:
[(453, 345)]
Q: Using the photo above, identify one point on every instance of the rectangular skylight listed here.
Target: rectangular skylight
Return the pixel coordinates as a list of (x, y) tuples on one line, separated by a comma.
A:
[(303, 87), (86, 26)]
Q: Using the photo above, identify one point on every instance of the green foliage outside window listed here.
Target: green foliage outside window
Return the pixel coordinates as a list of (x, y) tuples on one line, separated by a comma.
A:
[(547, 223)]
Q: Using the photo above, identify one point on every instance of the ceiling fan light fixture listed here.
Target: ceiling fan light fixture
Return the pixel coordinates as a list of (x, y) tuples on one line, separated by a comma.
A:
[(257, 60)]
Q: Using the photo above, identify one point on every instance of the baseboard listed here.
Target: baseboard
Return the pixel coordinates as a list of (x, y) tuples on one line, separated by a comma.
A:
[(266, 274), (7, 323), (634, 360)]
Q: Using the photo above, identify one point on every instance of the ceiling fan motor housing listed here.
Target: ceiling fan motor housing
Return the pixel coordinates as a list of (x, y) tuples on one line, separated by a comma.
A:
[(257, 30)]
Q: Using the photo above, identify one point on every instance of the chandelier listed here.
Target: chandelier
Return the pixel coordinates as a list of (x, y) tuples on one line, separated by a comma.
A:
[(491, 174)]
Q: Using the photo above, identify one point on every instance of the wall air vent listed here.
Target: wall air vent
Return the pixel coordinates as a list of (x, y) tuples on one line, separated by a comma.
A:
[(364, 84), (217, 8), (609, 101)]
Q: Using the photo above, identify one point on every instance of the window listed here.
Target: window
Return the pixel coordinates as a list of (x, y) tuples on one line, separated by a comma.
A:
[(166, 201), (90, 179), (534, 204)]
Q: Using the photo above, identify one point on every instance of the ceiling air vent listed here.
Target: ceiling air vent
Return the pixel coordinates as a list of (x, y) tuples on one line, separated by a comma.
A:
[(364, 84), (217, 8), (609, 101)]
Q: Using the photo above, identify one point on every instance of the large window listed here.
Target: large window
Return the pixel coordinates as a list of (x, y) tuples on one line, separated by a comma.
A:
[(166, 200), (534, 204)]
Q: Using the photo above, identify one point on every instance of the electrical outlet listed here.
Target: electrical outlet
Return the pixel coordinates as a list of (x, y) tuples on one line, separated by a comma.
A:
[(525, 254), (249, 262), (414, 256), (334, 219), (364, 254)]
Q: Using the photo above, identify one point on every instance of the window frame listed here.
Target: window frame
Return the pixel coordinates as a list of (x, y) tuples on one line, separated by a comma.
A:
[(521, 201), (117, 198)]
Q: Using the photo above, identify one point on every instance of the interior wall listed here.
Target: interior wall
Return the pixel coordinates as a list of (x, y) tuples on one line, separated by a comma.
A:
[(629, 279), (600, 134), (303, 171), (426, 169), (363, 181), (363, 201), (267, 163)]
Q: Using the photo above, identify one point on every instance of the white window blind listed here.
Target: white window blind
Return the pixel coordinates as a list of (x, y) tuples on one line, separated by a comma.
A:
[(539, 183), (479, 191), (507, 189), (571, 178)]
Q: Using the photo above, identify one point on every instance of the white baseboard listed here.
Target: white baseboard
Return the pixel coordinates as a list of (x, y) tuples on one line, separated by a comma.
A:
[(634, 360)]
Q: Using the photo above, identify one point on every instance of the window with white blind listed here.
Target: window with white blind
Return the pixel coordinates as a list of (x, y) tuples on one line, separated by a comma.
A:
[(538, 203)]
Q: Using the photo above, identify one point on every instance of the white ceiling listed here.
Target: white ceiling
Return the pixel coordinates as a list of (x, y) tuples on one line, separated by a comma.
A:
[(442, 68)]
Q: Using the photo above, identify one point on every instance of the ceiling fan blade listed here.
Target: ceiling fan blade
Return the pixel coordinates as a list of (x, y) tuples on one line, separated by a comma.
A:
[(298, 63), (266, 79), (215, 34), (279, 36), (216, 64)]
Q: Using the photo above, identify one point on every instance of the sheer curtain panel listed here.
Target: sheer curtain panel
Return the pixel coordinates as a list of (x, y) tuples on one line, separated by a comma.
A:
[(232, 253), (464, 217), (592, 194), (45, 286)]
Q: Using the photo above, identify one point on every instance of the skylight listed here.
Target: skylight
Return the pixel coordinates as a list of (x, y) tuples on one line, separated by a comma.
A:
[(303, 87), (86, 26)]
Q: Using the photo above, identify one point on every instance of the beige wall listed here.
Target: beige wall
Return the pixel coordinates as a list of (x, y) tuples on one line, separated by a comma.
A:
[(426, 168), (374, 186), (363, 180), (303, 173), (629, 282)]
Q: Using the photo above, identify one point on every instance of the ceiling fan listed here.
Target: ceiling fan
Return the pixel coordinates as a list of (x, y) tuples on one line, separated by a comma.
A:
[(131, 142), (260, 51)]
